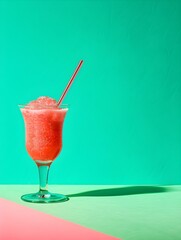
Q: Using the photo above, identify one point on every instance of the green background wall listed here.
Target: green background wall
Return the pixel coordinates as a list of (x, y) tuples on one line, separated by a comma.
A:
[(124, 122)]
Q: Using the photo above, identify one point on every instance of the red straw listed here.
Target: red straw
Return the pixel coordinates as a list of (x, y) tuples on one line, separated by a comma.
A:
[(69, 83)]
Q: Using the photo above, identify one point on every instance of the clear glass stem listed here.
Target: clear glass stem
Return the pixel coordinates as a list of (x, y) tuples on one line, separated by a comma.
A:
[(43, 178), (43, 195)]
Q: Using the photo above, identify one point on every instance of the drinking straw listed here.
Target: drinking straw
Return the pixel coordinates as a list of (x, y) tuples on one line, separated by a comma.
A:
[(69, 83)]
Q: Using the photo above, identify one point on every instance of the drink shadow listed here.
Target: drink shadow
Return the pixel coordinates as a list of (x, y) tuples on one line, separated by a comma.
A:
[(121, 191)]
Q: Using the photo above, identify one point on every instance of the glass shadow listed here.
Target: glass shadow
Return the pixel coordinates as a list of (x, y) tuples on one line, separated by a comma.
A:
[(129, 190)]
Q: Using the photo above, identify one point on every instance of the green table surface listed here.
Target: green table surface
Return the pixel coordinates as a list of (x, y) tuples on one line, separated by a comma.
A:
[(127, 212)]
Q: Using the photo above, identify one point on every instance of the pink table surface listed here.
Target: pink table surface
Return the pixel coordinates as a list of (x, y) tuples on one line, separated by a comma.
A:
[(22, 223)]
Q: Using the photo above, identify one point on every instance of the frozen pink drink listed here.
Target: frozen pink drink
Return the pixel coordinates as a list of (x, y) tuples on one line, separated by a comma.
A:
[(44, 120), (43, 123)]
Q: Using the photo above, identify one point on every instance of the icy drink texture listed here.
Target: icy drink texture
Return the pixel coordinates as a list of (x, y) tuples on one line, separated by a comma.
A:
[(43, 123)]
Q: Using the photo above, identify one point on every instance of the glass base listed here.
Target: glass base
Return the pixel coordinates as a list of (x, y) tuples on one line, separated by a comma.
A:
[(45, 197)]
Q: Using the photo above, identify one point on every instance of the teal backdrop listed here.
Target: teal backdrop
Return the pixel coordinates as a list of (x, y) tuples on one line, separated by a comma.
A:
[(124, 121)]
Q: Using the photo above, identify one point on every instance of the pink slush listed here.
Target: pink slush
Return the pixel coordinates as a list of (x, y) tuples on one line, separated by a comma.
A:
[(44, 123)]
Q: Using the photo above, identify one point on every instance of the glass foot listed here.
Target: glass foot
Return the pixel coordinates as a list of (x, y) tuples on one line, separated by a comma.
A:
[(45, 197)]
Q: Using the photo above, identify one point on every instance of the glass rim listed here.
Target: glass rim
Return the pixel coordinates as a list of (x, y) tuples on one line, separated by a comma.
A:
[(41, 106)]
